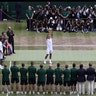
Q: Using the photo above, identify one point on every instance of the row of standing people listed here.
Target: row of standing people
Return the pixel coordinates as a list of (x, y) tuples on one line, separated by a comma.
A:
[(69, 78)]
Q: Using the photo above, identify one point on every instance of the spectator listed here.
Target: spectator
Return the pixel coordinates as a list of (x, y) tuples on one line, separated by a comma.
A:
[(81, 72), (4, 37), (1, 53), (14, 77), (10, 35), (18, 9), (5, 9), (29, 15), (23, 78), (32, 78), (5, 79), (90, 78)]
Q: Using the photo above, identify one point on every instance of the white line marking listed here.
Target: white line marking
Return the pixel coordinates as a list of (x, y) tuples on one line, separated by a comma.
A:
[(60, 45)]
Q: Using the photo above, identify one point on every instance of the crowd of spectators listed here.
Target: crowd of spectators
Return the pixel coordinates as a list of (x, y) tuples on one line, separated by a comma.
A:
[(62, 18)]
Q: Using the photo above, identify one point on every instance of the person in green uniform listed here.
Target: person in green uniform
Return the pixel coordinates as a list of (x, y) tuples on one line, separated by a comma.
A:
[(5, 9), (73, 79), (14, 77), (23, 78), (67, 77), (41, 79), (58, 78), (32, 77), (29, 15), (50, 79), (5, 79), (63, 13)]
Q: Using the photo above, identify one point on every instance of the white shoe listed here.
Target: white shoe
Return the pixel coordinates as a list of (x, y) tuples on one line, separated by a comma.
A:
[(25, 92), (64, 93), (44, 61), (8, 92), (60, 93), (2, 92), (51, 92), (71, 92), (50, 62), (33, 92), (43, 93), (11, 92), (46, 92), (38, 93), (17, 92), (56, 93), (29, 92), (21, 92)]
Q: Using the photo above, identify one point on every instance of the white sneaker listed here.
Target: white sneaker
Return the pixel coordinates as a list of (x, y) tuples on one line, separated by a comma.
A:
[(64, 93), (43, 93), (38, 93), (50, 62), (46, 92), (44, 61), (2, 92), (17, 92), (51, 92), (11, 92), (71, 92), (21, 92), (33, 92), (8, 92), (56, 93), (25, 92), (29, 92), (60, 93)]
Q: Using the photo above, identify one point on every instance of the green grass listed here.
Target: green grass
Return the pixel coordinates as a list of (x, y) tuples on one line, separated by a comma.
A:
[(39, 38)]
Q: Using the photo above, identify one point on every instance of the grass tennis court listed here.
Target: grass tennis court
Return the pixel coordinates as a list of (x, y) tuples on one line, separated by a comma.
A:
[(68, 48)]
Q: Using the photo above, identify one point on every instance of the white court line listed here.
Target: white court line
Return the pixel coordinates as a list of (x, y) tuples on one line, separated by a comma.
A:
[(61, 45)]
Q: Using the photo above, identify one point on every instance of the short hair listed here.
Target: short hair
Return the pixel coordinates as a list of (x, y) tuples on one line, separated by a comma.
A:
[(32, 63), (90, 64), (14, 63), (5, 65), (66, 66), (58, 64), (23, 64), (41, 66), (74, 65), (81, 65)]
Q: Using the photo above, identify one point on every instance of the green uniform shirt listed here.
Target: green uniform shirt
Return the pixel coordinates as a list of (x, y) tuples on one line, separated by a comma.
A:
[(29, 13), (49, 73), (5, 74), (14, 71), (23, 73), (41, 74), (67, 75), (64, 13), (58, 74), (74, 74), (31, 72)]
